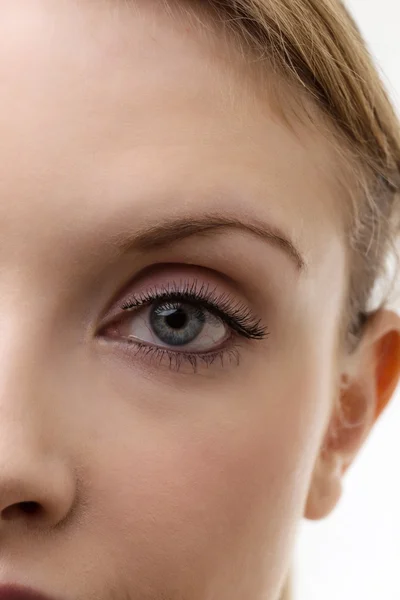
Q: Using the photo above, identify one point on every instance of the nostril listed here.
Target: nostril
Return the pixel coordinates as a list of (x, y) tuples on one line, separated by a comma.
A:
[(21, 509), (29, 508)]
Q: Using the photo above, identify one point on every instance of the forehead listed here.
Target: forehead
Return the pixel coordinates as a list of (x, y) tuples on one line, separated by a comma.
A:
[(105, 102)]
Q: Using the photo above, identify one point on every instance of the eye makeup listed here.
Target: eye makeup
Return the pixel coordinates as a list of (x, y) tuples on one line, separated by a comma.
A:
[(184, 320)]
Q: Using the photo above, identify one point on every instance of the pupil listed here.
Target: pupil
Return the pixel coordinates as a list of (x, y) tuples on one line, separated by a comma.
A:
[(177, 319)]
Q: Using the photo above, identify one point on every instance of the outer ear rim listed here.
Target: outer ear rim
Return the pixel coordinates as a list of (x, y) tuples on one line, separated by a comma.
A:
[(388, 379), (382, 332)]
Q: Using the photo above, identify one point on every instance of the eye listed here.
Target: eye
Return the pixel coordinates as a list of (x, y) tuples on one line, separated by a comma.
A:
[(176, 324), (183, 322)]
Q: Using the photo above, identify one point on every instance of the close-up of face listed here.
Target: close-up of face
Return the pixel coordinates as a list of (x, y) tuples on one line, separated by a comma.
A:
[(173, 276)]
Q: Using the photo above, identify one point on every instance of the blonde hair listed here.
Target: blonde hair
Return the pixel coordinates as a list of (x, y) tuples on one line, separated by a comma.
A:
[(316, 45)]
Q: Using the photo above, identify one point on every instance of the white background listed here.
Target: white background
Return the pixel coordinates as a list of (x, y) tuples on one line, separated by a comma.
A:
[(355, 553)]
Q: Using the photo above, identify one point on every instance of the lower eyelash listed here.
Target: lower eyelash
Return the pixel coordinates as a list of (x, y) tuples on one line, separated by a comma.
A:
[(175, 360)]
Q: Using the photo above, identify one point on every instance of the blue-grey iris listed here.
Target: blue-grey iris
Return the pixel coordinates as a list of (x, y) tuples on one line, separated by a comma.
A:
[(177, 323)]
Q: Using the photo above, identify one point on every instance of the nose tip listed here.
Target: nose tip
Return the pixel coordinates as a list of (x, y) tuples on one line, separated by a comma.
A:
[(35, 493), (37, 478)]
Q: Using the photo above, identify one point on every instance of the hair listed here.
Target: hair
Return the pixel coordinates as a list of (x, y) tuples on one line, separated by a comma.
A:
[(316, 46)]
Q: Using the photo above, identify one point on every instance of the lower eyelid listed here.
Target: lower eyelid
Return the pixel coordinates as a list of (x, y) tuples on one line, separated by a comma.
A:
[(186, 362)]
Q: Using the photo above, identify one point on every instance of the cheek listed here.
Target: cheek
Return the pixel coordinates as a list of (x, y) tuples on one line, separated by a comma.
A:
[(186, 496)]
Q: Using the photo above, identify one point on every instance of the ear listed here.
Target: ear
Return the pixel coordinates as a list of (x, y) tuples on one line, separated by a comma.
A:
[(367, 382)]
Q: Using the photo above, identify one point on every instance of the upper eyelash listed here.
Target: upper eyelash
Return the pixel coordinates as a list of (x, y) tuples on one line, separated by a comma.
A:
[(232, 312)]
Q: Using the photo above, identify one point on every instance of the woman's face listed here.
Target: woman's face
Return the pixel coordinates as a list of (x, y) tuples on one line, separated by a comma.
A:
[(172, 273)]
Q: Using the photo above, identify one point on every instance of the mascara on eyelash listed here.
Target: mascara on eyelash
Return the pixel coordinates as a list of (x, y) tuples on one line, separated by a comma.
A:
[(235, 314), (177, 360)]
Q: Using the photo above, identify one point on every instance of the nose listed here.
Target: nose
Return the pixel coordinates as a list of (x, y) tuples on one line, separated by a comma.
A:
[(37, 483), (35, 489)]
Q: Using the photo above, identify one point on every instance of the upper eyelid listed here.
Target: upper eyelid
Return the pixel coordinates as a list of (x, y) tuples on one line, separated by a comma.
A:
[(236, 315), (158, 293), (172, 276)]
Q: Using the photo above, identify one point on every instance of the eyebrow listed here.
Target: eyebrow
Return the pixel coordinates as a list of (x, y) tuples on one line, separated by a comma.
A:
[(174, 230)]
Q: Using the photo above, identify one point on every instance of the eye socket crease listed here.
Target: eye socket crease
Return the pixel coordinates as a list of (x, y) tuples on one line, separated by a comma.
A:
[(163, 234)]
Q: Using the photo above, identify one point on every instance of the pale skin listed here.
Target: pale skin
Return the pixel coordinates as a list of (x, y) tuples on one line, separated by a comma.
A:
[(149, 481)]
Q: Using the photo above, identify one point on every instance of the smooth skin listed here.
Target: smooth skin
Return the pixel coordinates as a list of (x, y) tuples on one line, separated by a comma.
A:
[(126, 128)]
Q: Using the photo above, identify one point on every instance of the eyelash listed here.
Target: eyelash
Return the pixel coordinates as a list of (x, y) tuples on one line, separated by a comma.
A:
[(236, 315)]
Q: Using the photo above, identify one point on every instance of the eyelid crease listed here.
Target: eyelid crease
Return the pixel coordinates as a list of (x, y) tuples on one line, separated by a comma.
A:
[(163, 234)]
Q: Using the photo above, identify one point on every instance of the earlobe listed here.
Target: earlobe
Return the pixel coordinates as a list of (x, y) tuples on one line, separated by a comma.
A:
[(326, 487), (352, 417), (364, 393)]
